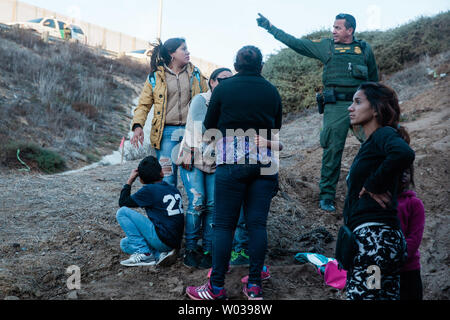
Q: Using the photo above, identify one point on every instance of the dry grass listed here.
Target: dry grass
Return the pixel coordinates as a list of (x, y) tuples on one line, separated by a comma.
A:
[(63, 95), (419, 77)]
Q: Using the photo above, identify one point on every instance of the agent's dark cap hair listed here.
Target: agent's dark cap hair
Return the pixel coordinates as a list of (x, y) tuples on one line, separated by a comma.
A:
[(350, 21), (149, 170)]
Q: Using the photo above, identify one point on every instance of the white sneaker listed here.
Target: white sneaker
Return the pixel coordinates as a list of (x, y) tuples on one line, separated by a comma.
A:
[(139, 259), (167, 258)]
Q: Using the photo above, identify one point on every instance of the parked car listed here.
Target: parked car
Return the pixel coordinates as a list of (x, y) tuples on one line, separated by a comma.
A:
[(141, 54), (78, 34), (55, 28)]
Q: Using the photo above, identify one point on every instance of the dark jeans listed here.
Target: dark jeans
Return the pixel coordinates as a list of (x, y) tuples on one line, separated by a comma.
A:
[(240, 240), (238, 184), (411, 285)]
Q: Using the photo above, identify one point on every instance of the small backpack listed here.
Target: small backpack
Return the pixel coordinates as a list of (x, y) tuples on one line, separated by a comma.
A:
[(195, 73)]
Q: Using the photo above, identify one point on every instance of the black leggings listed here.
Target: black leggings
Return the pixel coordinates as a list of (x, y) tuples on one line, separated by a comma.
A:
[(236, 185), (411, 285)]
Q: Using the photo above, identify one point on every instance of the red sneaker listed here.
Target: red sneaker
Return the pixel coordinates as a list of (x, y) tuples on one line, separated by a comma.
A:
[(264, 275), (205, 292)]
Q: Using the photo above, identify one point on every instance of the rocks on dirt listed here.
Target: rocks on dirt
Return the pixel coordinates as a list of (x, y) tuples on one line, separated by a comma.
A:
[(178, 290), (72, 295)]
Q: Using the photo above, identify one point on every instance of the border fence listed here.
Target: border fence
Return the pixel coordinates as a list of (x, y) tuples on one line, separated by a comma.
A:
[(111, 41)]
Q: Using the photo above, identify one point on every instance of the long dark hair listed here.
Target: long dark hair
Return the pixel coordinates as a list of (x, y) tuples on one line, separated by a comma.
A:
[(161, 52), (384, 101)]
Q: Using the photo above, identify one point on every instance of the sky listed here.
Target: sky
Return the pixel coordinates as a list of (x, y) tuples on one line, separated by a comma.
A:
[(216, 29)]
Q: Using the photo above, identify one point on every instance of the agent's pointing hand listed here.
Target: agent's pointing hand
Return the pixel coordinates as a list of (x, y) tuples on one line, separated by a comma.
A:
[(263, 22)]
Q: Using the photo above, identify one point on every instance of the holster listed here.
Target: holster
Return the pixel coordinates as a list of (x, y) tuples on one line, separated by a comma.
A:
[(329, 95), (320, 102)]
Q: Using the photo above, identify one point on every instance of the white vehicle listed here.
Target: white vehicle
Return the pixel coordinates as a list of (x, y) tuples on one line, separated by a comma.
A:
[(78, 34), (142, 54), (54, 27)]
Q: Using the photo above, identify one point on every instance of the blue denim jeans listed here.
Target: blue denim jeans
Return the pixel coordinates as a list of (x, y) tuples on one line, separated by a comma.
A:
[(167, 154), (238, 184), (141, 236), (200, 212), (240, 240)]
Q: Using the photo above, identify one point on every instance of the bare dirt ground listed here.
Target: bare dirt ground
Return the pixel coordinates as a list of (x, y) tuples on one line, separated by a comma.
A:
[(50, 222)]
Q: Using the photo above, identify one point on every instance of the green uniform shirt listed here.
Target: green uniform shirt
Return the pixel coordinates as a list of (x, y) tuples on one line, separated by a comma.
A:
[(322, 50)]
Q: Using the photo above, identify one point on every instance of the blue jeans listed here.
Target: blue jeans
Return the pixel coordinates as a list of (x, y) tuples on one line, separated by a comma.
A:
[(238, 184), (167, 154), (200, 212), (141, 236), (240, 240)]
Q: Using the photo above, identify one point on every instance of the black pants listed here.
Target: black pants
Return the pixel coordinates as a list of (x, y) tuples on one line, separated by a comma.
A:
[(411, 285), (238, 184)]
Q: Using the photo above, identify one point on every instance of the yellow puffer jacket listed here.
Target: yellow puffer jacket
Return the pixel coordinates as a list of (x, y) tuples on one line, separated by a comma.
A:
[(158, 99)]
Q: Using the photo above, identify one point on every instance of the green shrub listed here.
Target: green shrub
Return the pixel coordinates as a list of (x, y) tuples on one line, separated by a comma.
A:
[(35, 157), (298, 77)]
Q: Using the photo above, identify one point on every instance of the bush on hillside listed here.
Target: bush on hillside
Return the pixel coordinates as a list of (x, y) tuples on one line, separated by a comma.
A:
[(34, 157), (298, 78)]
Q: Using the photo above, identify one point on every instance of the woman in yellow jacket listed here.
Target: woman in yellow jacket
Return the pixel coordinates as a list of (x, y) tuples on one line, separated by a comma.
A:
[(172, 83)]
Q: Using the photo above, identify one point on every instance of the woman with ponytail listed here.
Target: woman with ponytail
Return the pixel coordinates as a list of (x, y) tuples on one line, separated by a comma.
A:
[(172, 83), (370, 210)]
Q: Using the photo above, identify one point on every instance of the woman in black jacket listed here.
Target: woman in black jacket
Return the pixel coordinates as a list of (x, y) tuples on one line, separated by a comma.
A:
[(371, 204), (242, 107)]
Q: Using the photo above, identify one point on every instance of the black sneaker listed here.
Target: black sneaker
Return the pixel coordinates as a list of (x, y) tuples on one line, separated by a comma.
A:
[(327, 205), (191, 258), (205, 261)]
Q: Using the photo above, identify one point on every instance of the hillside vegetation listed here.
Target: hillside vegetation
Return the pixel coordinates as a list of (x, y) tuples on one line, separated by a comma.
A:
[(62, 104), (298, 78)]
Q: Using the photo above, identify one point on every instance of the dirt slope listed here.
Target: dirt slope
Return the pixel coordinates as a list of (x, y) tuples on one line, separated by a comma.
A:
[(48, 223)]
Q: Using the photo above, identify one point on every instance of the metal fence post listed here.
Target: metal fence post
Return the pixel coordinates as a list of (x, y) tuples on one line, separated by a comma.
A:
[(14, 11)]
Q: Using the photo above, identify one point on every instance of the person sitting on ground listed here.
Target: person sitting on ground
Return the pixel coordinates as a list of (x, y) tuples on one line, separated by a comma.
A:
[(411, 214), (151, 240)]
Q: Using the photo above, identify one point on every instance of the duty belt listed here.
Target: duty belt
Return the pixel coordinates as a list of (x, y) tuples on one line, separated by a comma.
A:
[(344, 96)]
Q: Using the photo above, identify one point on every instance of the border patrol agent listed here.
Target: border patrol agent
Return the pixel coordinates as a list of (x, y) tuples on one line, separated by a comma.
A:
[(348, 62)]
